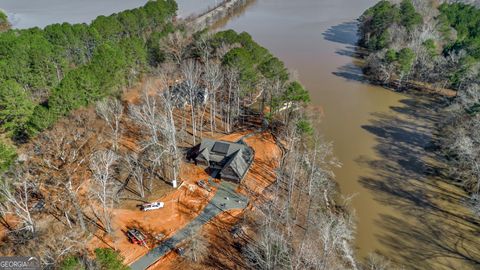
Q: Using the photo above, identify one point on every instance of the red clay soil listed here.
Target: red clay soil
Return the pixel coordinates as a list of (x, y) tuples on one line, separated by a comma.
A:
[(222, 252), (11, 220), (134, 94), (184, 204), (267, 159), (169, 261), (181, 206)]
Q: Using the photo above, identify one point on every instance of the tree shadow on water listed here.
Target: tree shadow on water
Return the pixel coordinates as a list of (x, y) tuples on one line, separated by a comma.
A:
[(351, 72), (350, 51), (344, 33), (347, 34), (430, 227), (427, 245)]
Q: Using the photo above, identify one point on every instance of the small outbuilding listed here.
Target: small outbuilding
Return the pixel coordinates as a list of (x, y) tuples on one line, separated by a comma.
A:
[(231, 160)]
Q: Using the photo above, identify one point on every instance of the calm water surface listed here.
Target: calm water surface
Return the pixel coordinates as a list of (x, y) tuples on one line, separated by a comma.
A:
[(380, 136), (30, 13)]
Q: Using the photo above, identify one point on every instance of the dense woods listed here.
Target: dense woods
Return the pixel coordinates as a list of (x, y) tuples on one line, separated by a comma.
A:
[(421, 42), (46, 73), (106, 55)]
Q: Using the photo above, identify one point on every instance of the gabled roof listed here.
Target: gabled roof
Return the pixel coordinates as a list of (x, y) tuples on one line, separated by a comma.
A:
[(221, 148), (237, 163), (205, 154), (235, 155)]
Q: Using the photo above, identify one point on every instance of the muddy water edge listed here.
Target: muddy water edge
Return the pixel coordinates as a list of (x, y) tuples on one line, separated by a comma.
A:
[(405, 209)]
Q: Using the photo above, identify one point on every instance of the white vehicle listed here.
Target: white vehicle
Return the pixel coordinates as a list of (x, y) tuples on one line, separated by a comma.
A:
[(152, 206)]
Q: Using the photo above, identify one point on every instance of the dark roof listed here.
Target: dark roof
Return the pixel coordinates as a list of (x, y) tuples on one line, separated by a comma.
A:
[(238, 164), (220, 148), (212, 145), (236, 155)]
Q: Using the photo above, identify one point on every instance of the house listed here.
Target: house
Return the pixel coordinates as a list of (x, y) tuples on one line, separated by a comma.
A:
[(231, 160)]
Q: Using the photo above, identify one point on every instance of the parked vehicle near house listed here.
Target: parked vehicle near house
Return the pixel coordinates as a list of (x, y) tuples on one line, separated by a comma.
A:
[(135, 236), (152, 206)]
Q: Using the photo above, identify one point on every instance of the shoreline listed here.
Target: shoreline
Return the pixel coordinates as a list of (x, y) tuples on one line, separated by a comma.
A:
[(362, 53), (215, 14)]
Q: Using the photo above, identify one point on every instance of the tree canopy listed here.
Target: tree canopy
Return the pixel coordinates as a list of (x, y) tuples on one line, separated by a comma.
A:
[(109, 259), (376, 21), (7, 156), (251, 59), (443, 48), (16, 108), (465, 19), (65, 66)]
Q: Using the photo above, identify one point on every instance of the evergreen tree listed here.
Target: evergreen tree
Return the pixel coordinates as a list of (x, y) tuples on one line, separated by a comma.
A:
[(109, 259), (15, 108), (7, 156), (409, 17)]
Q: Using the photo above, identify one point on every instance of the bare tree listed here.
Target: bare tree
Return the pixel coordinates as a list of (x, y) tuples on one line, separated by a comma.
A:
[(377, 262), (203, 47), (230, 103), (170, 132), (111, 110), (52, 250), (175, 45), (463, 138), (270, 252), (104, 190), (300, 226), (137, 172), (192, 71), (64, 151), (148, 117), (214, 80), (156, 115), (197, 248), (17, 195), (319, 162)]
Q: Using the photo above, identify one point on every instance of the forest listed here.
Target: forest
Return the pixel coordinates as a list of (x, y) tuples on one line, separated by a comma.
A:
[(430, 42), (46, 73), (437, 48)]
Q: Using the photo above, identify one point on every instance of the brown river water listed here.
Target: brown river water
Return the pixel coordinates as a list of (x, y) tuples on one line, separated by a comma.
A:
[(382, 138)]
